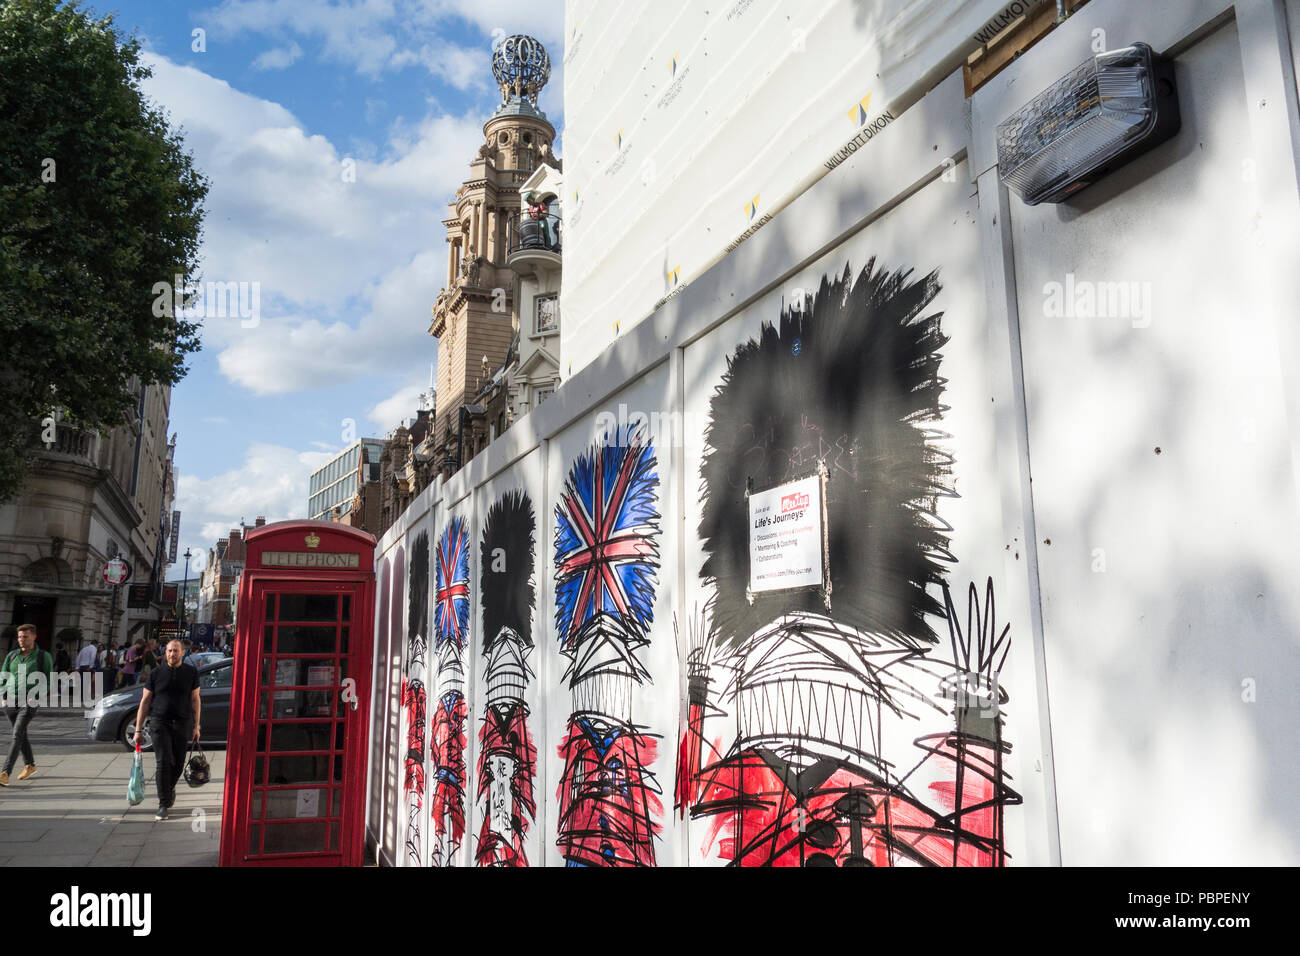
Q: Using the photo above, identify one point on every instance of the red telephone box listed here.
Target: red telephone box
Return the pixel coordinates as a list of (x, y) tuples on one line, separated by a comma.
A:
[(296, 750)]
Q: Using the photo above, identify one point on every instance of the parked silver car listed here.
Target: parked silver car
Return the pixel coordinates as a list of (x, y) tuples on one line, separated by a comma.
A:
[(113, 716)]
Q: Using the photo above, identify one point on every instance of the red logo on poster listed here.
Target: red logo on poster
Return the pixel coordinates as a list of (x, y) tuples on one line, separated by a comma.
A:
[(793, 502)]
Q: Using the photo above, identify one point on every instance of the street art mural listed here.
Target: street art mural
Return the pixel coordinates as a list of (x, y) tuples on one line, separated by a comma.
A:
[(413, 691), (414, 696), (447, 734), (507, 756), (804, 701), (606, 565)]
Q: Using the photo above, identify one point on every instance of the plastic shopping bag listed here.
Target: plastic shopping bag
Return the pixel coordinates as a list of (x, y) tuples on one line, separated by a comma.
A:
[(135, 786)]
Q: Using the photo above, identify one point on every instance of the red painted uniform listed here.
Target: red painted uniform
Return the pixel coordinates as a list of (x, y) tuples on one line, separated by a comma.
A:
[(608, 797), (505, 732), (448, 751)]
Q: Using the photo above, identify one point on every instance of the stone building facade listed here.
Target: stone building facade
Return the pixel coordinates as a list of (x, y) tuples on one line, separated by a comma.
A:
[(90, 496), (473, 318), (218, 578)]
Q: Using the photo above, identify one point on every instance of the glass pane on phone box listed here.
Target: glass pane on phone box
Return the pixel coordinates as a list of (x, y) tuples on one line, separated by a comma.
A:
[(295, 837), (296, 804), (309, 607), (307, 640), (270, 608), (261, 738), (254, 839), (285, 771), (268, 638), (318, 703), (347, 608), (334, 835), (286, 704), (300, 737), (316, 671)]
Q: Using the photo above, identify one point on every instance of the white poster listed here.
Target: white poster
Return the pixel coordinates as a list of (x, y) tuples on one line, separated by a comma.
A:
[(308, 803), (785, 536)]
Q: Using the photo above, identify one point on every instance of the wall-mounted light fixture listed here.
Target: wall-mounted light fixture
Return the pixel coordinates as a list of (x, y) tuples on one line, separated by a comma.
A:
[(1099, 116)]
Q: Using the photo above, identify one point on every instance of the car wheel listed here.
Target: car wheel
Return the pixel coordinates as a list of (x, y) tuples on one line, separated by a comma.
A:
[(127, 736)]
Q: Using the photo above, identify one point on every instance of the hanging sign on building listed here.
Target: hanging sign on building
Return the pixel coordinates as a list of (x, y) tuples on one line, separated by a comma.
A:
[(175, 538), (138, 596), (786, 536), (115, 571)]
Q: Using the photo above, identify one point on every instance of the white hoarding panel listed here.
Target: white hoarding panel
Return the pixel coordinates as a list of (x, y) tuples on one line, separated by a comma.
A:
[(843, 726), (688, 129)]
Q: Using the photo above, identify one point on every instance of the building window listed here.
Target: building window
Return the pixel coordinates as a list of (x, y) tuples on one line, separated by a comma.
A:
[(548, 314), (541, 394)]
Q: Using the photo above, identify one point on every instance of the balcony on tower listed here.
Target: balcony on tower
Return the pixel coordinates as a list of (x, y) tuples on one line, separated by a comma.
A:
[(534, 240)]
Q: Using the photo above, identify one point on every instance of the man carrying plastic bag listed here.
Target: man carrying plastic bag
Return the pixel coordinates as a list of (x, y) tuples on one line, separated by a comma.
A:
[(172, 693)]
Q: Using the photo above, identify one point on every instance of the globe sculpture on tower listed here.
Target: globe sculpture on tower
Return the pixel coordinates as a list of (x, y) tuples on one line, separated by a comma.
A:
[(521, 66)]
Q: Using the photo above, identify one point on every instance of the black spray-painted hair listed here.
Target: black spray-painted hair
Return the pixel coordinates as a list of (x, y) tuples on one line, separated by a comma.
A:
[(851, 379), (507, 594), (417, 623)]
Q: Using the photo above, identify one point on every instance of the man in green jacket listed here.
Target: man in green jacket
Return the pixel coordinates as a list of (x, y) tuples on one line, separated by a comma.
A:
[(19, 680)]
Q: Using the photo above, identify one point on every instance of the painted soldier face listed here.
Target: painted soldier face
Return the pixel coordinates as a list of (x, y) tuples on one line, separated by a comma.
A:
[(807, 686), (507, 669), (451, 672)]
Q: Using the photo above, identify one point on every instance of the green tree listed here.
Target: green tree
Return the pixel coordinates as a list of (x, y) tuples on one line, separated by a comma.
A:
[(98, 203)]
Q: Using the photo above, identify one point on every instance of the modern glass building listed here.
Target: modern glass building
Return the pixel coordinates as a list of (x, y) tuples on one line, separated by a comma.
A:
[(335, 483)]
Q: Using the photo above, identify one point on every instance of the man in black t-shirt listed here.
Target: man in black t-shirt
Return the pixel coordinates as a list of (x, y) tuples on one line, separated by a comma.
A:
[(172, 694)]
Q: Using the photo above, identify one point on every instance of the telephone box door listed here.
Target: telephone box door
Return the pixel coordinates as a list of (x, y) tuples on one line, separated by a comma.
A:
[(306, 685)]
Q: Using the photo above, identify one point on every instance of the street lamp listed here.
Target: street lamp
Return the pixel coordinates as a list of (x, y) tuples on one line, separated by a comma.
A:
[(185, 591)]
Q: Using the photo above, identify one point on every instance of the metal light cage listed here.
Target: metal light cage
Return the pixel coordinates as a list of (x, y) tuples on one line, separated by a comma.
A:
[(1104, 112)]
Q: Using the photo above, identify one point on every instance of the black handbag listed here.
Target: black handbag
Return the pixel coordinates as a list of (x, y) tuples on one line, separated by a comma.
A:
[(197, 770)]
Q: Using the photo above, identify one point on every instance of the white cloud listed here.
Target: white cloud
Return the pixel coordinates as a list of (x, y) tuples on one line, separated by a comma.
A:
[(290, 353), (465, 68), (543, 19), (271, 481), (361, 33), (377, 35), (278, 58), (322, 249), (402, 404)]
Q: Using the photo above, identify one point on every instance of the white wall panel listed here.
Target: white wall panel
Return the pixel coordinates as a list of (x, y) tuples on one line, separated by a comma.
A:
[(688, 127), (1163, 493)]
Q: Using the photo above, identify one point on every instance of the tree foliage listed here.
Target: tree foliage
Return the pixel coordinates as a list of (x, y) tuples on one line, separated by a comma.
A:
[(98, 203)]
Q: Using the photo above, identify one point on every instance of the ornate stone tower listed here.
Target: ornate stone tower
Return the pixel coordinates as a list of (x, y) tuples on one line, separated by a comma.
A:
[(472, 315)]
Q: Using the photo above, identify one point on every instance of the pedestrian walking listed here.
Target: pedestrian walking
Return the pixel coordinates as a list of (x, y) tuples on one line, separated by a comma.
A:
[(131, 663), (171, 704), (62, 659), (19, 676), (87, 658), (109, 663)]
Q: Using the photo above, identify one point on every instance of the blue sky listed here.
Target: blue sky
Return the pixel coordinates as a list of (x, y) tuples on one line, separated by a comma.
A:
[(280, 103)]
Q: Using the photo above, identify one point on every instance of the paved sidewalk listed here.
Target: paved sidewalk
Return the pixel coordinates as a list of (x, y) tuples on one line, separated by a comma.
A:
[(74, 811)]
